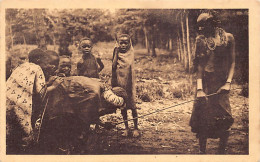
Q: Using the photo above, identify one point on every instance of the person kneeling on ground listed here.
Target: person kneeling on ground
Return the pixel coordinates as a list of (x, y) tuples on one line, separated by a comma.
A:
[(25, 91)]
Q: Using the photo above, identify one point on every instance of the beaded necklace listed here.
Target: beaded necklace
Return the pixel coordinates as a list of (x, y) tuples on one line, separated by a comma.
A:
[(211, 44)]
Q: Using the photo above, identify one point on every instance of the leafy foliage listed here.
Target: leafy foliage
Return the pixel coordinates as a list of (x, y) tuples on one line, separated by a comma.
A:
[(168, 29)]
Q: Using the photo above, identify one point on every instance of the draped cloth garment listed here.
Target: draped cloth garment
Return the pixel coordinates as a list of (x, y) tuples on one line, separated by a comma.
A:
[(25, 84), (213, 117), (123, 74)]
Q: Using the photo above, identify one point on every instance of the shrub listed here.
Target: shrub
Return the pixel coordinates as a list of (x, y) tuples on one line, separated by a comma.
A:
[(182, 90)]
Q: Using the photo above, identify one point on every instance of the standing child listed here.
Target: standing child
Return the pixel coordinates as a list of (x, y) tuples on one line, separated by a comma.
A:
[(89, 65), (123, 75), (215, 64)]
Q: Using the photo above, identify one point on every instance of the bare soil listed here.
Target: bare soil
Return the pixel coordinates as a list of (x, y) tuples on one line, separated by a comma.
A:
[(161, 82)]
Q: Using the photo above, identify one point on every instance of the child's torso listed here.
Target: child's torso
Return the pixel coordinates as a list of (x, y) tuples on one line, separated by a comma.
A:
[(89, 67)]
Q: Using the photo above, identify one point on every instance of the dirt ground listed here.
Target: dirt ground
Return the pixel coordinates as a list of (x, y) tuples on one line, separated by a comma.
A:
[(161, 83), (168, 132)]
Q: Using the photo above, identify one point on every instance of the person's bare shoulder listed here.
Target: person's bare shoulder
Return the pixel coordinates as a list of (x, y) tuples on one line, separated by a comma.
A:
[(200, 39), (230, 38), (80, 62)]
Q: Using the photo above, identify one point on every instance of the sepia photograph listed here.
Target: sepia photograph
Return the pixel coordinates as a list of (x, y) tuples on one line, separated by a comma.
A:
[(127, 81)]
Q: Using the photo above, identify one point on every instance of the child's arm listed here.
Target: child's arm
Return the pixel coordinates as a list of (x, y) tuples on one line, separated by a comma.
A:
[(114, 66), (100, 63), (55, 84)]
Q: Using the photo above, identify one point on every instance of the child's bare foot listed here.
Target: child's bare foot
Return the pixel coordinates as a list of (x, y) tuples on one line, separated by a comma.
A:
[(136, 133), (125, 132)]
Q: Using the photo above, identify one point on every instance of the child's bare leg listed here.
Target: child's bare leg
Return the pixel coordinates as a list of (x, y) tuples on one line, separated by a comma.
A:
[(203, 144), (134, 114), (135, 132), (223, 142), (124, 114)]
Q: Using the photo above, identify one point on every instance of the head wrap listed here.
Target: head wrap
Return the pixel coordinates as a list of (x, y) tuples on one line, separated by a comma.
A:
[(207, 18)]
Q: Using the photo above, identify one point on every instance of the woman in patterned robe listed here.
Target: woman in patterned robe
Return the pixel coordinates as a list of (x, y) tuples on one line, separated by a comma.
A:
[(25, 89)]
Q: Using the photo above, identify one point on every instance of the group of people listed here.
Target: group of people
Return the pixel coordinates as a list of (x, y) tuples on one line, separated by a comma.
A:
[(214, 61), (31, 81)]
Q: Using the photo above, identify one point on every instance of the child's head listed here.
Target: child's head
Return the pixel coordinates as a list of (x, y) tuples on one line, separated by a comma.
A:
[(48, 61), (65, 66), (85, 46), (124, 42)]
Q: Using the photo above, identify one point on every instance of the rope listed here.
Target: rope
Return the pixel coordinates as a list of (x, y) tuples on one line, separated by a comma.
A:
[(212, 94), (163, 109), (45, 106)]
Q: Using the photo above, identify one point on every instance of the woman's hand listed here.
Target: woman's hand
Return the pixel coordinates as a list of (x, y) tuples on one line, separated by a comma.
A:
[(51, 80), (225, 88), (201, 94)]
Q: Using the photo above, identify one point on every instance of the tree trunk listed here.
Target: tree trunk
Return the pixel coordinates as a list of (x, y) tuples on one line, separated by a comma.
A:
[(146, 40), (153, 45), (170, 44), (167, 45), (24, 40), (64, 40), (42, 42), (188, 42), (35, 28), (184, 44), (153, 48), (180, 47), (53, 35), (153, 41), (54, 42), (39, 29)]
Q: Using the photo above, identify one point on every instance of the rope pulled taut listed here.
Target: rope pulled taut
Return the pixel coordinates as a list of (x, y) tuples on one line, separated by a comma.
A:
[(212, 94)]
